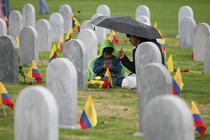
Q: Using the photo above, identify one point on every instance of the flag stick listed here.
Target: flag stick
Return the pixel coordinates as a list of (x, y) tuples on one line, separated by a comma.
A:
[(5, 114), (41, 59)]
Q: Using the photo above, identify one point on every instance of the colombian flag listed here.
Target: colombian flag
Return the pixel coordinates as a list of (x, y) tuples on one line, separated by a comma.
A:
[(76, 25), (198, 121), (53, 53), (177, 83), (6, 20), (113, 37), (4, 97), (89, 117), (60, 44), (68, 35), (34, 73)]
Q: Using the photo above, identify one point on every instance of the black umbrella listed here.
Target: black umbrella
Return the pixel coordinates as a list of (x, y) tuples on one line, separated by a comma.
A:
[(127, 25)]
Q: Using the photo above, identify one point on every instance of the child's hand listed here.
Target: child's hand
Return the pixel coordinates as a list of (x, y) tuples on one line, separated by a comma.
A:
[(105, 66)]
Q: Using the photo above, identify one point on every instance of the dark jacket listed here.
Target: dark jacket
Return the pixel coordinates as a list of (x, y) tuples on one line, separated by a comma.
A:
[(130, 65)]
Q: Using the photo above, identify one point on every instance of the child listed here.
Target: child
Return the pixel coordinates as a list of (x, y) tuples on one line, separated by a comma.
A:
[(106, 60)]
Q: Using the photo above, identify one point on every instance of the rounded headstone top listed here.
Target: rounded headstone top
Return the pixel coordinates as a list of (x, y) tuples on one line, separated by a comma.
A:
[(167, 118)]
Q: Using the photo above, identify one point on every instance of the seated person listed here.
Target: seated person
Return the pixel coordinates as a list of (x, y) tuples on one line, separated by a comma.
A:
[(106, 60)]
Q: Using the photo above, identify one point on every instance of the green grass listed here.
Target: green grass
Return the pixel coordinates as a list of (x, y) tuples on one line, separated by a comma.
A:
[(117, 108)]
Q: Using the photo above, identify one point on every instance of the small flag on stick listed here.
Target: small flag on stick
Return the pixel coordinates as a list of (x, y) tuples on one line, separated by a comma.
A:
[(199, 124), (34, 73), (170, 64), (53, 53), (89, 117), (177, 83), (4, 97)]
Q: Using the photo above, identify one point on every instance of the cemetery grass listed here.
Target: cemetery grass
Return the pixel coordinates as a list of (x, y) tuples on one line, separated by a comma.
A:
[(117, 108)]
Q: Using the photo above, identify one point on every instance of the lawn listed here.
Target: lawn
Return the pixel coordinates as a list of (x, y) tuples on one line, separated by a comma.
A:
[(117, 108)]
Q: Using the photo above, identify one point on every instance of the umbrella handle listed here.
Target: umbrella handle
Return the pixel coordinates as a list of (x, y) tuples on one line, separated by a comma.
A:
[(122, 41)]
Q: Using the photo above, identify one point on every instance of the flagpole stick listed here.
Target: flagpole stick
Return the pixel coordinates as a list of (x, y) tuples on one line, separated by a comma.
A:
[(5, 114), (41, 59), (122, 42)]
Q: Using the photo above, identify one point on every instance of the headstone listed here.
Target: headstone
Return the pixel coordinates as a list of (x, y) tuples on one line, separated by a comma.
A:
[(9, 69), (44, 30), (61, 80), (142, 10), (57, 24), (100, 31), (152, 80), (15, 23), (28, 45), (187, 26), (144, 19), (200, 34), (184, 11), (3, 28), (207, 57), (104, 10), (29, 15), (66, 11), (146, 53), (168, 118), (86, 25), (76, 52), (36, 115), (89, 38)]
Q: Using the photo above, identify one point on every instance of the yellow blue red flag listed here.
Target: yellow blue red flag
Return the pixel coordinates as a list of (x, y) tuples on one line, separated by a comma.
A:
[(199, 124), (113, 37), (34, 73), (60, 43), (68, 35), (53, 53), (89, 117), (4, 97), (177, 83)]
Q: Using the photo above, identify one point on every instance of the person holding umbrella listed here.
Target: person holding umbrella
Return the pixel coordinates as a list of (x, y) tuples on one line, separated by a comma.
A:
[(135, 41)]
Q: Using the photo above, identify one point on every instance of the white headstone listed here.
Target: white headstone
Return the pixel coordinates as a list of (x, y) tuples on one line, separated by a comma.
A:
[(144, 19), (200, 34), (28, 45), (152, 80), (3, 27), (142, 10), (89, 38), (187, 26), (44, 30), (100, 32), (167, 117), (57, 24), (9, 69), (66, 11), (75, 51), (184, 11), (86, 25), (207, 56), (61, 80), (29, 15), (36, 115), (15, 23)]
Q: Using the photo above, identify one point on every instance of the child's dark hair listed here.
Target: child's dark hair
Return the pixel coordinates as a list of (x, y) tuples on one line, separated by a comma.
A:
[(108, 50)]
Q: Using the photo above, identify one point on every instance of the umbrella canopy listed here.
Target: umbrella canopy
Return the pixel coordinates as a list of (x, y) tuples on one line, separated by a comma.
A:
[(127, 25)]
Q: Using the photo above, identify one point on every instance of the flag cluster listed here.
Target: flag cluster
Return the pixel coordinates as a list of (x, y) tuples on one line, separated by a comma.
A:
[(113, 37), (34, 73), (53, 53), (89, 117), (4, 97), (198, 121), (177, 83)]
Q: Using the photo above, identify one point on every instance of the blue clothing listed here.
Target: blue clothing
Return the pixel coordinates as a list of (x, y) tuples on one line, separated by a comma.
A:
[(43, 6), (115, 63)]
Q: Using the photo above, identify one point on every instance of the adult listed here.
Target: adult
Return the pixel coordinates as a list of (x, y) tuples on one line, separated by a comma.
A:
[(43, 8), (135, 41)]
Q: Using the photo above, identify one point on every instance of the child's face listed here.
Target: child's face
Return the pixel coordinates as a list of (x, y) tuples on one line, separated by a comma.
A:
[(107, 55)]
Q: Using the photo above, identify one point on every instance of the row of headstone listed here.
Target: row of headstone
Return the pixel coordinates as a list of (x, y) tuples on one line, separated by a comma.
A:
[(40, 112), (186, 25), (157, 104), (143, 14)]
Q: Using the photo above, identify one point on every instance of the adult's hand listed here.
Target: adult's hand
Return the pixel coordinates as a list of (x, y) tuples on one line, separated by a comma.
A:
[(120, 54)]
